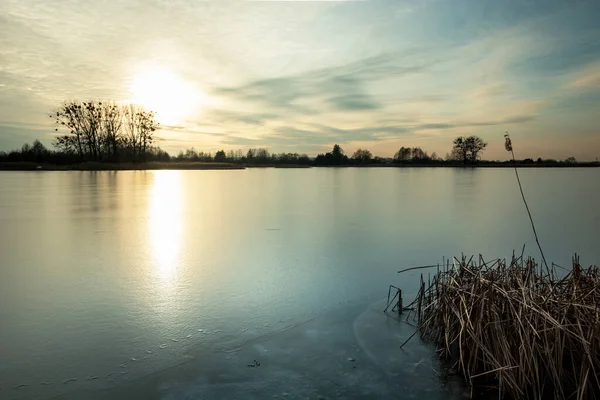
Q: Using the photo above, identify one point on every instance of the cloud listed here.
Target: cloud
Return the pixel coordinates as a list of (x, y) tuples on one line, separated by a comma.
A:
[(433, 126), (334, 98), (281, 133), (354, 102), (13, 136), (192, 130), (519, 119), (316, 134), (29, 125), (488, 92), (217, 116), (342, 88), (426, 99), (586, 78)]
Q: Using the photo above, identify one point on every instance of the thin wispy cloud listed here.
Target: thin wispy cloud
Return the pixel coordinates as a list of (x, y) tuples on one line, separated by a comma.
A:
[(587, 78)]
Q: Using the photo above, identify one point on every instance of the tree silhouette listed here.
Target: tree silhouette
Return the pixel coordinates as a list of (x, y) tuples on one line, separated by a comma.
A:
[(38, 150), (418, 154), (337, 151), (262, 156), (363, 156), (404, 154), (338, 156), (220, 156), (67, 144), (335, 157), (407, 154), (103, 131), (250, 155), (467, 149)]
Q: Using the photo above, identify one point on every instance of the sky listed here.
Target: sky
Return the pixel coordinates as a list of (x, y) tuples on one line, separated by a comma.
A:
[(300, 76)]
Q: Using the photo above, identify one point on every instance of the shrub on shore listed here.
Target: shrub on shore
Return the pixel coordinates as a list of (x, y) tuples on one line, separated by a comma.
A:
[(519, 325)]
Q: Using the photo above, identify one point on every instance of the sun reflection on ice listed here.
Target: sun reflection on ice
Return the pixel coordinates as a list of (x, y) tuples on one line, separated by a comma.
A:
[(166, 222)]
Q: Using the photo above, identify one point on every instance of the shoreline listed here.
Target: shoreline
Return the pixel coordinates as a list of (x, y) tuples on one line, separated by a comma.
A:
[(97, 166)]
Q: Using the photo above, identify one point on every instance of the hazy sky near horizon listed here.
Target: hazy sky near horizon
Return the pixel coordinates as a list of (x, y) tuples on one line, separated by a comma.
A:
[(299, 76)]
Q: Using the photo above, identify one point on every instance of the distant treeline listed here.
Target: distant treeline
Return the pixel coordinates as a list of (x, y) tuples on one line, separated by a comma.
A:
[(106, 132), (250, 157), (36, 152)]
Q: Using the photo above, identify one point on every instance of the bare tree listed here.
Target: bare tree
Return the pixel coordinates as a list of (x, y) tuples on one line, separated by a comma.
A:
[(132, 134), (460, 151), (147, 127), (262, 155), (220, 156), (404, 154), (250, 155), (337, 151), (71, 116), (362, 155), (467, 149), (112, 119), (67, 144), (418, 154), (38, 150), (140, 126)]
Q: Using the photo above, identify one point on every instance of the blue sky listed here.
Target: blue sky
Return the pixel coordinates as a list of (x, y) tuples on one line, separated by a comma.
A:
[(301, 75)]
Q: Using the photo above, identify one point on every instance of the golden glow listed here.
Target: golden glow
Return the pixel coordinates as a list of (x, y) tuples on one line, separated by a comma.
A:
[(166, 222), (168, 95)]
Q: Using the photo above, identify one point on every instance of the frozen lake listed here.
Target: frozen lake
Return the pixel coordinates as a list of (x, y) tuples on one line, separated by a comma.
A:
[(166, 284)]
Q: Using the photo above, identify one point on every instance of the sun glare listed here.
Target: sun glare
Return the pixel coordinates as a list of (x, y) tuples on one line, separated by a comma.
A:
[(167, 94)]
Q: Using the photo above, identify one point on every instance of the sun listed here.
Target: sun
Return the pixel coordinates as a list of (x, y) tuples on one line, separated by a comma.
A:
[(160, 90)]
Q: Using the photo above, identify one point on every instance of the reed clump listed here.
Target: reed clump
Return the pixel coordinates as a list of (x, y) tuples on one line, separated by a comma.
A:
[(528, 330)]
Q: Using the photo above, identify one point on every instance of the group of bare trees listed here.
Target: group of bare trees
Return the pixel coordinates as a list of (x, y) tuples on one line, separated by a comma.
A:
[(105, 131)]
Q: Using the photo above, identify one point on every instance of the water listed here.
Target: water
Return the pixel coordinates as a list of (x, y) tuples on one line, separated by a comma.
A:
[(109, 276)]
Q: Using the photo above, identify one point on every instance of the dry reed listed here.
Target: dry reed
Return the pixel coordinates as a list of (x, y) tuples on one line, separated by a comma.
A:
[(517, 325)]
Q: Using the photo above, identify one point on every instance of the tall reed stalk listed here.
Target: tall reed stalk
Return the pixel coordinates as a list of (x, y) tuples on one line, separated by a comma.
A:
[(508, 146)]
